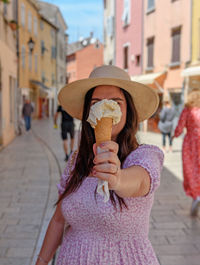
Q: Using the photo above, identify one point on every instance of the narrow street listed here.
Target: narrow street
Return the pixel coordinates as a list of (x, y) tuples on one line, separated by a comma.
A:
[(29, 170)]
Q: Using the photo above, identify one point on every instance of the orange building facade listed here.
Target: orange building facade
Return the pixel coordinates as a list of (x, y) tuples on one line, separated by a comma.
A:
[(83, 59)]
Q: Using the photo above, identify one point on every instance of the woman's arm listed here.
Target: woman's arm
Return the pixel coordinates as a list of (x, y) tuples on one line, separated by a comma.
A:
[(181, 123), (133, 182), (130, 182), (52, 238)]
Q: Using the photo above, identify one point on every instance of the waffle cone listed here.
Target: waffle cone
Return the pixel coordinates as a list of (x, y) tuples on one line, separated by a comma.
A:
[(103, 130)]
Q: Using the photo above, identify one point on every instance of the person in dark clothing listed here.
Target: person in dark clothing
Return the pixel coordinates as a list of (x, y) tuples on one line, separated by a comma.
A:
[(26, 113), (67, 127), (165, 124)]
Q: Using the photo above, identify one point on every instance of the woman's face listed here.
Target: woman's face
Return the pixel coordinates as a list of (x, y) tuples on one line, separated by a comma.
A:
[(114, 93)]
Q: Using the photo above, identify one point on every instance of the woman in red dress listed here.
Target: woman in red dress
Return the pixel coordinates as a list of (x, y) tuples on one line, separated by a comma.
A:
[(190, 119)]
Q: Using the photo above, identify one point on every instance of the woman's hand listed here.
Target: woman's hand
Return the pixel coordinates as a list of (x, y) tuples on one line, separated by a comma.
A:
[(107, 164)]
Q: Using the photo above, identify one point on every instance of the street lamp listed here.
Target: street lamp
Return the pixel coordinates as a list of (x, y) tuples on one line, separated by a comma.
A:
[(31, 44)]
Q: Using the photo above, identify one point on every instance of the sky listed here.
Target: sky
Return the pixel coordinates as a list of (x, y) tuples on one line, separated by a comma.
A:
[(82, 17)]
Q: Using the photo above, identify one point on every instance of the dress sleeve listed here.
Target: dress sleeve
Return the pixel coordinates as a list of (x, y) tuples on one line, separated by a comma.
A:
[(181, 123), (66, 173), (151, 159)]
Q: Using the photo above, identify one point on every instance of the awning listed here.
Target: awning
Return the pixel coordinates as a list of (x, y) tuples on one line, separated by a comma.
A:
[(40, 84), (44, 90), (154, 79), (147, 79), (191, 71)]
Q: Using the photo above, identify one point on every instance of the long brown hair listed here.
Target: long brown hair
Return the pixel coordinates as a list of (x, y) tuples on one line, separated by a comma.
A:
[(193, 98), (84, 162)]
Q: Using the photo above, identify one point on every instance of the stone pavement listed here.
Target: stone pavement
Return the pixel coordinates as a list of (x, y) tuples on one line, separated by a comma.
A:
[(29, 170)]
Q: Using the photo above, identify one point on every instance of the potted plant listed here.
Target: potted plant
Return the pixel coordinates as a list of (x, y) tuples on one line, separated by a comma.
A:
[(13, 24), (5, 1)]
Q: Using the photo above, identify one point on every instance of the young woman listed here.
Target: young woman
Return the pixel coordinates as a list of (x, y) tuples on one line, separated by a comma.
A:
[(190, 119), (115, 232)]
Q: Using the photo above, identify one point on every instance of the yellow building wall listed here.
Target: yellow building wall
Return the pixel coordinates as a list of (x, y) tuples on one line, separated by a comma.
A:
[(29, 66), (48, 64), (8, 72), (196, 31)]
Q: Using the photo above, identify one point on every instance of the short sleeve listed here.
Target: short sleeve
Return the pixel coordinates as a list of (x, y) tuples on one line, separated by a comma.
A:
[(59, 109), (66, 173), (151, 159)]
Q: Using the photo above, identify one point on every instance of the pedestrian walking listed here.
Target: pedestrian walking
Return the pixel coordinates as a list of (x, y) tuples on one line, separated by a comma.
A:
[(190, 119), (116, 231), (165, 124), (26, 113), (67, 127)]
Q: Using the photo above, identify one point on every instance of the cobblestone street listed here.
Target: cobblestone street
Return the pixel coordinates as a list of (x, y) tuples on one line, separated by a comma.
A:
[(29, 170)]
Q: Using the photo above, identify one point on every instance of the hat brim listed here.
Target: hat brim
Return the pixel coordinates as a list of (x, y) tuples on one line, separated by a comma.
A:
[(72, 96)]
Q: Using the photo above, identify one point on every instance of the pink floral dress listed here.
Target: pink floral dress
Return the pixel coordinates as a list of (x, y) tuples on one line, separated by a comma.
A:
[(190, 119), (101, 235)]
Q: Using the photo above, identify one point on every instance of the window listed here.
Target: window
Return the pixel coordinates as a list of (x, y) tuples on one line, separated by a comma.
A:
[(61, 52), (53, 79), (42, 47), (150, 51), (14, 8), (53, 52), (110, 26), (126, 48), (176, 37), (11, 98), (35, 25), (12, 86), (138, 57), (23, 15), (41, 25), (30, 61), (151, 4), (5, 9), (43, 77), (29, 21), (23, 53), (126, 13), (36, 63), (52, 34), (71, 58)]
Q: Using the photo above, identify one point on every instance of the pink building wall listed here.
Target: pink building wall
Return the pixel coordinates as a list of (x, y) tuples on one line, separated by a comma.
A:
[(130, 35), (159, 23)]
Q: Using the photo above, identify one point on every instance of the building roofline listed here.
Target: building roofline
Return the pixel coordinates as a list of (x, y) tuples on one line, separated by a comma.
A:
[(57, 9)]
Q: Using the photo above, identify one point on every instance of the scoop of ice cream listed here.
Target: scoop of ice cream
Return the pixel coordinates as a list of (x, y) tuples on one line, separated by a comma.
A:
[(104, 108)]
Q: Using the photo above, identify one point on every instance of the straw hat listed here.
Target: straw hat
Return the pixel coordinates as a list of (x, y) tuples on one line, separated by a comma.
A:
[(71, 96)]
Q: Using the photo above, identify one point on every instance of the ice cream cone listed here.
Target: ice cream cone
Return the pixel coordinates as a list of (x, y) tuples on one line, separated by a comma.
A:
[(103, 130)]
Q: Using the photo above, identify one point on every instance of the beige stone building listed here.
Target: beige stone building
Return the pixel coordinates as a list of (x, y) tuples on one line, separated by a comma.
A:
[(48, 33), (8, 73), (29, 52), (109, 32)]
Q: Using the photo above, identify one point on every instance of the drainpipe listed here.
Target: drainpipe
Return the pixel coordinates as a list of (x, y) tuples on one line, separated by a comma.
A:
[(19, 99)]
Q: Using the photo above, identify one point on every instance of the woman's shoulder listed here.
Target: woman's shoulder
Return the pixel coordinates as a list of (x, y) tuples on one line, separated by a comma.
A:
[(145, 152), (147, 148)]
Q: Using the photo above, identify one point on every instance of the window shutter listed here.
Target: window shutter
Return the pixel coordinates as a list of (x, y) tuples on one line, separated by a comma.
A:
[(150, 52), (176, 34)]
